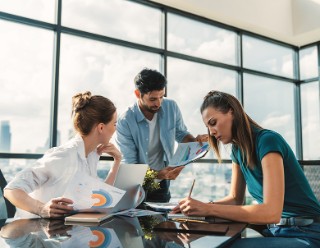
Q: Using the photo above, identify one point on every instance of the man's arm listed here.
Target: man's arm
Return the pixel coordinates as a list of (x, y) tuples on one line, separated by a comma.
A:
[(126, 143)]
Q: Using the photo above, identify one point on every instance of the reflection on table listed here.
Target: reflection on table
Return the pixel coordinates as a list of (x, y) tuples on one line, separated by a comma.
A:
[(115, 232)]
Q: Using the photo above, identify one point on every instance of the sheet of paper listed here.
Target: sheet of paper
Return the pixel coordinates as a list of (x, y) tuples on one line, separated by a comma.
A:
[(162, 206), (91, 194), (188, 152)]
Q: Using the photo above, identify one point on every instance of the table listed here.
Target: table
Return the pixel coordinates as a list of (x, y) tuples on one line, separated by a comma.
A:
[(133, 232)]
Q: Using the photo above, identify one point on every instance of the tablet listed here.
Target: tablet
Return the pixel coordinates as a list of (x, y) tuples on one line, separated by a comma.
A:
[(130, 175)]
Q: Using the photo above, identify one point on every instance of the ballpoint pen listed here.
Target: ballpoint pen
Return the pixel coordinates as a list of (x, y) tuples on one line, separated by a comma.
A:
[(190, 220), (191, 187)]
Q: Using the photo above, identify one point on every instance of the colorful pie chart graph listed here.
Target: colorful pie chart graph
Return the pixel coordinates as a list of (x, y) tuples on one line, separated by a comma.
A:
[(103, 197), (102, 237)]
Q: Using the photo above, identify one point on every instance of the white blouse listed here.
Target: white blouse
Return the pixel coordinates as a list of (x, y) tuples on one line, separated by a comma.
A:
[(49, 177)]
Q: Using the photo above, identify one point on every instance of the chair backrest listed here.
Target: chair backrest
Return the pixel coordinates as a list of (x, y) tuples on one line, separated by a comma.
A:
[(7, 210), (312, 172)]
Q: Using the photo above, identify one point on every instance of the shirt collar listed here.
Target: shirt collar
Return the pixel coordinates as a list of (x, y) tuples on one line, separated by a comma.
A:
[(140, 116), (80, 146)]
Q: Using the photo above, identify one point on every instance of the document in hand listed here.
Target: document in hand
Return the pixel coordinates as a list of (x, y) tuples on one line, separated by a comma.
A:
[(89, 194), (188, 152)]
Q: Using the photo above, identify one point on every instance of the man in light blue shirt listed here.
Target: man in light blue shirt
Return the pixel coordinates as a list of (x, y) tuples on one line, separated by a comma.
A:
[(147, 131)]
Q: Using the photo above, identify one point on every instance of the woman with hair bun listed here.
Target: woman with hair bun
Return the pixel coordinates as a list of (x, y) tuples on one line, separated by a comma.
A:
[(38, 189)]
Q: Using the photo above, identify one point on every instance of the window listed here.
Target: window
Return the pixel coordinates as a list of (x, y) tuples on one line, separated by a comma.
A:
[(202, 40), (119, 19), (41, 10), (267, 57), (26, 82), (308, 62), (270, 103), (101, 68), (310, 120)]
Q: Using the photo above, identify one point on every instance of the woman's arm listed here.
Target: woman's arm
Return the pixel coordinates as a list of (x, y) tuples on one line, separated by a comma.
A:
[(56, 207), (115, 153), (267, 212)]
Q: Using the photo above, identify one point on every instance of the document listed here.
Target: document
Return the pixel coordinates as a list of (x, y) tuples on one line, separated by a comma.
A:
[(161, 206), (188, 152), (89, 194)]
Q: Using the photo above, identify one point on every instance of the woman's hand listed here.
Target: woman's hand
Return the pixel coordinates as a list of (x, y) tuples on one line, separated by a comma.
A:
[(55, 208), (189, 206), (110, 149)]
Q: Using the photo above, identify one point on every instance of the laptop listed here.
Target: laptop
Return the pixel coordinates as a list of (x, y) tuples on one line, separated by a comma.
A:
[(130, 175)]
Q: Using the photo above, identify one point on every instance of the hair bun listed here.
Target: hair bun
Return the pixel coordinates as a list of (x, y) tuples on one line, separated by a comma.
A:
[(80, 101)]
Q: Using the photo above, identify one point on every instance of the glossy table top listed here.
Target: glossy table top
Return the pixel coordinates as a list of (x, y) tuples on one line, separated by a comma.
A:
[(118, 231)]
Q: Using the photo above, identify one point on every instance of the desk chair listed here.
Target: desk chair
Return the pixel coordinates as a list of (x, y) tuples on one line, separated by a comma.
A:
[(7, 210), (312, 173)]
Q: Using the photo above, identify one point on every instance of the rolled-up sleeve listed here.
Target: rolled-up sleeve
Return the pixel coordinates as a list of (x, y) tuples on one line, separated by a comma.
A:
[(48, 168)]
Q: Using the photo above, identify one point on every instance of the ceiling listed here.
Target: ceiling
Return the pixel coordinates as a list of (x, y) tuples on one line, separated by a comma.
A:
[(296, 22)]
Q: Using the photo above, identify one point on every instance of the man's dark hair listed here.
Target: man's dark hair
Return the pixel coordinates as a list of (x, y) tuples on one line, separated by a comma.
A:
[(149, 80)]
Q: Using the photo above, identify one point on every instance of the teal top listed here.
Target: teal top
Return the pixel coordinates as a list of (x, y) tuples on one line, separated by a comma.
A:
[(299, 200)]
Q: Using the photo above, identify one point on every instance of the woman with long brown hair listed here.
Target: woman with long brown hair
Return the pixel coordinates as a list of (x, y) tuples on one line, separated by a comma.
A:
[(264, 162)]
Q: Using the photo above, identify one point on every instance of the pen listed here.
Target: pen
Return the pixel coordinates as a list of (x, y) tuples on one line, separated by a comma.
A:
[(192, 187), (190, 220)]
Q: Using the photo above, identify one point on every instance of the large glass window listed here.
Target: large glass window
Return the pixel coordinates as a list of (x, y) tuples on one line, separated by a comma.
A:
[(267, 57), (42, 10), (202, 40), (119, 19), (189, 82), (26, 82), (310, 120), (101, 68), (212, 182), (270, 103), (308, 62), (10, 167)]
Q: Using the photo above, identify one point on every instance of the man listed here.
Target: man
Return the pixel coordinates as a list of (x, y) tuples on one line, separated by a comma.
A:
[(147, 131)]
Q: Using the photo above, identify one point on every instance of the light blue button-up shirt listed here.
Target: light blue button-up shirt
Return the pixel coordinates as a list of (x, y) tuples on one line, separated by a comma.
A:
[(133, 132)]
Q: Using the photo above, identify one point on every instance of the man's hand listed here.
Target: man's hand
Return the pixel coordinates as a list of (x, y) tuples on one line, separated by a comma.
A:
[(202, 138), (170, 173)]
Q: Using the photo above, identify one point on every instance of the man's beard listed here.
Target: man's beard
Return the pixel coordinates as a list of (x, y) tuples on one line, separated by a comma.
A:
[(151, 110)]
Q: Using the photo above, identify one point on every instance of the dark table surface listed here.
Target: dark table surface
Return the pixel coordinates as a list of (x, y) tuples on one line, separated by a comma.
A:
[(117, 231)]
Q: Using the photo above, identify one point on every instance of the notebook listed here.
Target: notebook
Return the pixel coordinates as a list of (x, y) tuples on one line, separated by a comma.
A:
[(130, 175), (80, 218)]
